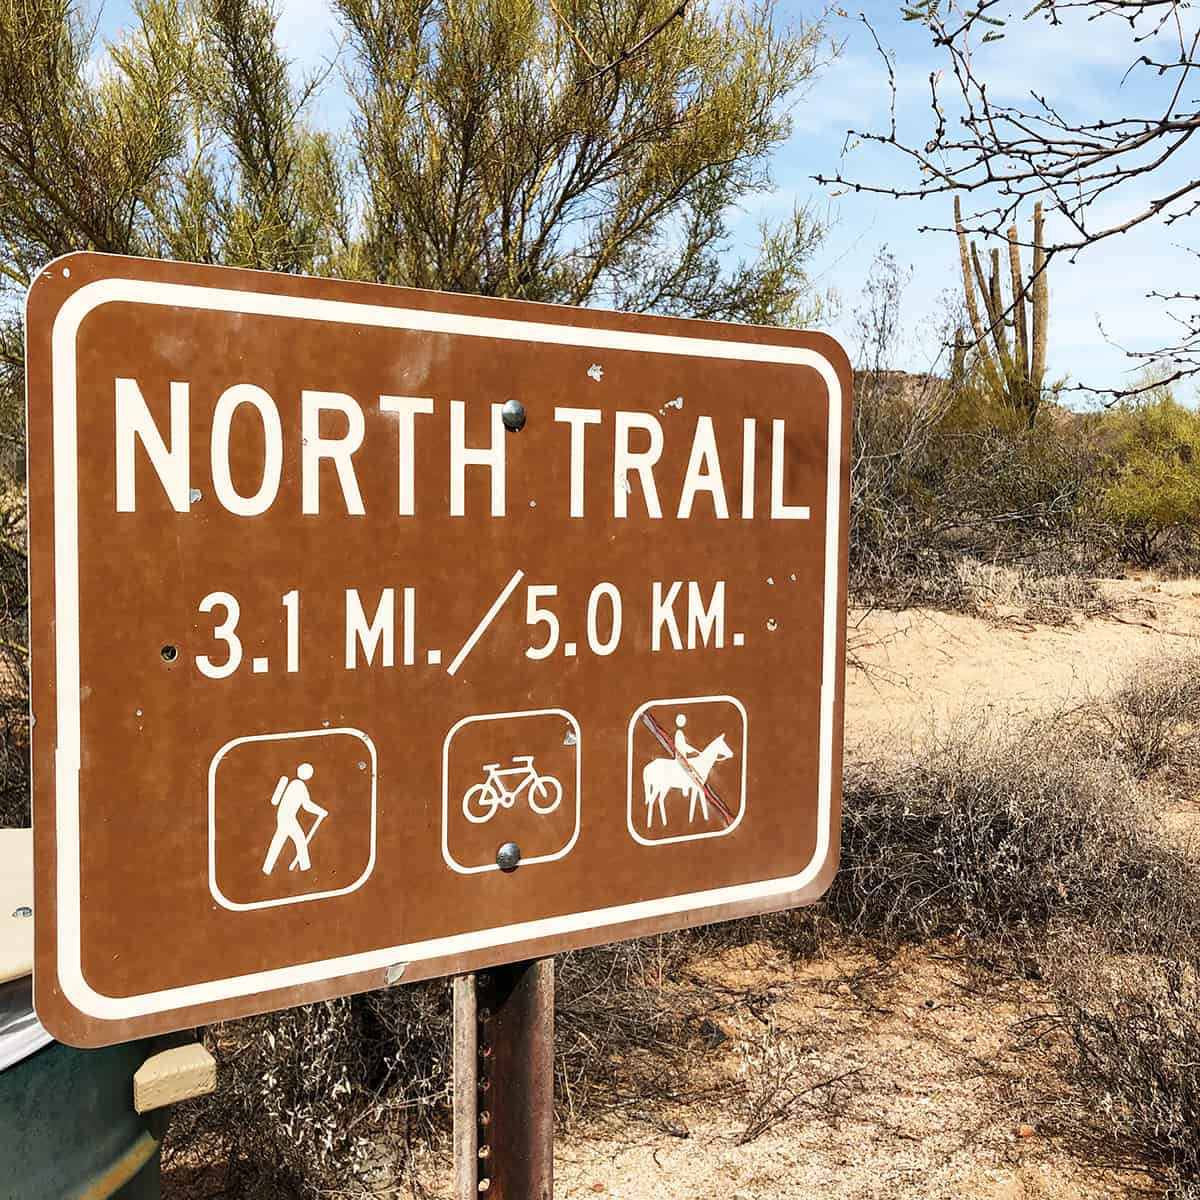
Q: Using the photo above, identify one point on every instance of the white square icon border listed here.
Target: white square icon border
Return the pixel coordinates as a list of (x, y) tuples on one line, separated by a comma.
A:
[(240, 906), (683, 837), (449, 858)]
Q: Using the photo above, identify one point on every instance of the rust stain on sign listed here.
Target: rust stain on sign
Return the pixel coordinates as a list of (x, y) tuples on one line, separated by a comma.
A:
[(337, 589)]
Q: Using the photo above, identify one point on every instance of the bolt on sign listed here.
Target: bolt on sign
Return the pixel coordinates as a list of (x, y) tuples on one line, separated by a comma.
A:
[(381, 634)]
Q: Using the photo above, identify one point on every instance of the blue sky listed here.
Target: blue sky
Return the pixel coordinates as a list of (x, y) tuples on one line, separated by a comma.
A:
[(1079, 68)]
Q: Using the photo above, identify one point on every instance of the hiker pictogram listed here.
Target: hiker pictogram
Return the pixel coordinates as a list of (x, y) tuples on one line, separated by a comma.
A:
[(291, 817), (290, 799)]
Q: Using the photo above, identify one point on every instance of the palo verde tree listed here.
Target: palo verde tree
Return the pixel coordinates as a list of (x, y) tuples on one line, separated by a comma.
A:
[(572, 151), (1098, 173)]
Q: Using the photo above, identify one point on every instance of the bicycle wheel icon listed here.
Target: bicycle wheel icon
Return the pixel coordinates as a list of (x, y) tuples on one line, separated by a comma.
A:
[(510, 777), (480, 803), (545, 795)]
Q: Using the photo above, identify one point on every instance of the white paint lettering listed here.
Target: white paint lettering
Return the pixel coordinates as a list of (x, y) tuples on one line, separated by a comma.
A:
[(578, 419), (705, 622), (662, 616), (779, 510), (339, 450), (406, 409), (382, 627), (463, 456), (640, 463), (410, 606), (748, 450), (703, 472), (230, 401), (134, 422)]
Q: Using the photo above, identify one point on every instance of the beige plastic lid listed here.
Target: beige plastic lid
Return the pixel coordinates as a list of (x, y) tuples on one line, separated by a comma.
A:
[(16, 892)]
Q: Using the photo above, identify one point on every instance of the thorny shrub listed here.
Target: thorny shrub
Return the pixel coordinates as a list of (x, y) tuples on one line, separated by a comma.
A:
[(996, 833), (336, 1094), (14, 762), (14, 659), (775, 1077), (1152, 718), (941, 469), (323, 1096), (632, 1017), (622, 1022), (1132, 1025), (928, 491)]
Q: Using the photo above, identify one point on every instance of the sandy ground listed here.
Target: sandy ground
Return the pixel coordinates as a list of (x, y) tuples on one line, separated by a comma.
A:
[(935, 1075), (936, 1097), (917, 670)]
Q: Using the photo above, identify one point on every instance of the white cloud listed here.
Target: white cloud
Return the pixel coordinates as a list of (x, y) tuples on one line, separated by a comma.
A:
[(850, 93)]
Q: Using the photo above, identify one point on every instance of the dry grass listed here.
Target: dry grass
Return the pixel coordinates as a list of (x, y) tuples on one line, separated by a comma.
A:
[(1128, 1028), (993, 588), (996, 834), (1152, 718)]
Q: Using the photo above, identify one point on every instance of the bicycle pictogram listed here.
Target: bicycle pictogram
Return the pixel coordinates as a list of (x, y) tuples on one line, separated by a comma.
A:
[(502, 787)]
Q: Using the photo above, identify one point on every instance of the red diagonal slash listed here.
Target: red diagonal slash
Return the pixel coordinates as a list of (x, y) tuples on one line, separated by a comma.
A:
[(660, 736)]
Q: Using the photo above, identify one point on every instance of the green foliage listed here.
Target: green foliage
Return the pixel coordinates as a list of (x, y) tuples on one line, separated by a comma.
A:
[(1154, 493), (510, 162), (573, 151)]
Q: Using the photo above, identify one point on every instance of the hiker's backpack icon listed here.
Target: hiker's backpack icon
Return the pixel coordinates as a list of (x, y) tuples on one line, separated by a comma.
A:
[(686, 769), (291, 817)]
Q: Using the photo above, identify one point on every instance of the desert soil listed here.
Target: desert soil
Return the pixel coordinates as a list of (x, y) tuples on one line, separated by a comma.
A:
[(939, 1080)]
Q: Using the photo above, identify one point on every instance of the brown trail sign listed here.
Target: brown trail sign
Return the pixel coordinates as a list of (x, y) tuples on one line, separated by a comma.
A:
[(346, 597)]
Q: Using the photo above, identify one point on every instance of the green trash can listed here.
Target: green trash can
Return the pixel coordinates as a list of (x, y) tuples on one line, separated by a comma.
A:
[(68, 1129)]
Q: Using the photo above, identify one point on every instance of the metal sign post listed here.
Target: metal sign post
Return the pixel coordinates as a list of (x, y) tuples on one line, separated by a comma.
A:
[(504, 1082)]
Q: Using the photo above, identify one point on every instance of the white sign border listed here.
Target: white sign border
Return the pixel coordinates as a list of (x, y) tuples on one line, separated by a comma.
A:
[(66, 596)]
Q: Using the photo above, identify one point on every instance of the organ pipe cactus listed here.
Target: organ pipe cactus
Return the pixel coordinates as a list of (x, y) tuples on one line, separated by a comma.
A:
[(1009, 336)]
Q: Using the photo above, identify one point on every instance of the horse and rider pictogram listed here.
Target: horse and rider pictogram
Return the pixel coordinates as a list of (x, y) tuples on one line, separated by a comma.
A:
[(666, 769), (686, 771)]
